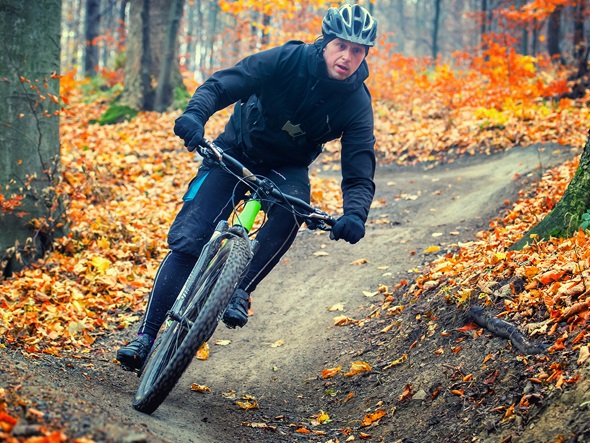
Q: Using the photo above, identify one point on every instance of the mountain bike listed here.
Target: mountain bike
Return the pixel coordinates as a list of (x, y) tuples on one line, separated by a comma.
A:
[(206, 293)]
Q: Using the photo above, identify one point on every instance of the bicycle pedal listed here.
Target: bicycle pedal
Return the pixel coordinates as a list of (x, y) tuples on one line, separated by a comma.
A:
[(130, 369)]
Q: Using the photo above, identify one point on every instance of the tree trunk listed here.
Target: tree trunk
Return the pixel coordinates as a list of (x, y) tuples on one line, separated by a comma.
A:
[(435, 29), (191, 37), (165, 88), (566, 216), (484, 19), (535, 38), (265, 40), (553, 34), (121, 29), (580, 49), (138, 58), (92, 27), (29, 130), (213, 17), (145, 61)]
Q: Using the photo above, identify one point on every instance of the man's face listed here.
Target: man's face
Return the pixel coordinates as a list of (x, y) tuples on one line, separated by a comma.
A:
[(343, 58)]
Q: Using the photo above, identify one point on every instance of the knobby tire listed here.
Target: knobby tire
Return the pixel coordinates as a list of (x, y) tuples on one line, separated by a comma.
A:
[(177, 345)]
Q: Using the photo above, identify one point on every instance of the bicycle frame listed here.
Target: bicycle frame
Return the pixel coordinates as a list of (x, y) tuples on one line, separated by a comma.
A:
[(246, 217)]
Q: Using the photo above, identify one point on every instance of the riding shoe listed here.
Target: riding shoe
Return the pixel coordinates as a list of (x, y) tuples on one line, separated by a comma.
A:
[(236, 313), (133, 356)]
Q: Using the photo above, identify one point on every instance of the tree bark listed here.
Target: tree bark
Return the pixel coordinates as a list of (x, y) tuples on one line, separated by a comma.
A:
[(484, 20), (92, 28), (134, 95), (580, 49), (165, 88), (145, 61), (553, 34), (435, 28), (191, 36), (29, 130), (566, 217)]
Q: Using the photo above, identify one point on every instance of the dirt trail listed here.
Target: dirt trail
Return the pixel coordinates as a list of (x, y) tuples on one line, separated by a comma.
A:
[(291, 306)]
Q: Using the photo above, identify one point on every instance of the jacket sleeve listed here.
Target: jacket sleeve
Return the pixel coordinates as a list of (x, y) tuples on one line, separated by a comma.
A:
[(229, 85), (358, 164)]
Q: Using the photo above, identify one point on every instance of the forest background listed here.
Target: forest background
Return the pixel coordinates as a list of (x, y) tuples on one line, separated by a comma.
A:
[(94, 146)]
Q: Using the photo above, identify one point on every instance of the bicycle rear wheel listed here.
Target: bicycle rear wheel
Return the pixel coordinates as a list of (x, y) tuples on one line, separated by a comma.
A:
[(208, 296)]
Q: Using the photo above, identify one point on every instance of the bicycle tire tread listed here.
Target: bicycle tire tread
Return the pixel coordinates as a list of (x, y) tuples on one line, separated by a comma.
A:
[(237, 259)]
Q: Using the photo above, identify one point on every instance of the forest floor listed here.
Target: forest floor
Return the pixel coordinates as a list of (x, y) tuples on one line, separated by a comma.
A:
[(279, 357)]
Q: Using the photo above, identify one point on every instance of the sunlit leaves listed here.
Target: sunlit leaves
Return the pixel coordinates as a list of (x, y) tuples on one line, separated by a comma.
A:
[(358, 367)]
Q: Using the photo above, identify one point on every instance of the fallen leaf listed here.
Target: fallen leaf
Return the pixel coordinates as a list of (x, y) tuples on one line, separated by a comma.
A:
[(371, 418), (342, 320), (337, 307), (200, 388), (203, 352), (360, 261), (101, 264), (584, 355), (260, 426), (407, 394), (320, 419), (358, 367), (396, 362), (249, 402), (329, 373)]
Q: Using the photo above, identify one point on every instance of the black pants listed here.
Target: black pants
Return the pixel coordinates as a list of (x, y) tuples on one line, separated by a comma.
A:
[(210, 197)]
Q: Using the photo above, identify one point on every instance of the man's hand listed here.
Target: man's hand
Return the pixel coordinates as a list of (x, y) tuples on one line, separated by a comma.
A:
[(190, 129), (349, 228)]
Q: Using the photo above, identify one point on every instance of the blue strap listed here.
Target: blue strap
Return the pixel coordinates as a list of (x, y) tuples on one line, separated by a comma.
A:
[(194, 187)]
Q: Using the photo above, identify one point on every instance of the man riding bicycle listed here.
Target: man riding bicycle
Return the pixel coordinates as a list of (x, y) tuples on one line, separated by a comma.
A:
[(289, 101)]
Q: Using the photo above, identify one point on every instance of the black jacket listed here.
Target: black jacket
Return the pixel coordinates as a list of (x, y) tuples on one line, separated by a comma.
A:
[(287, 108)]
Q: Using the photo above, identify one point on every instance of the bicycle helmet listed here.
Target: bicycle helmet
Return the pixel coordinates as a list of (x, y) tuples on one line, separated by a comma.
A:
[(350, 22)]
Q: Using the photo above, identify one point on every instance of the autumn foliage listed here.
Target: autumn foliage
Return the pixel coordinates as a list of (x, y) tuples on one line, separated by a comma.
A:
[(124, 183)]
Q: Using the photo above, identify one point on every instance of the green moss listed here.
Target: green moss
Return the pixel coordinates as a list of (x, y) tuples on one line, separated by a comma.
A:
[(116, 114), (181, 97), (97, 88)]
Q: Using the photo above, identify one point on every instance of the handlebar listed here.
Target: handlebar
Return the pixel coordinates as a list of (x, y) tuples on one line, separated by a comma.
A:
[(313, 216)]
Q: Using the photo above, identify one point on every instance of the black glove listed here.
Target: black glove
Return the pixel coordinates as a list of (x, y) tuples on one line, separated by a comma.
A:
[(190, 129), (349, 228)]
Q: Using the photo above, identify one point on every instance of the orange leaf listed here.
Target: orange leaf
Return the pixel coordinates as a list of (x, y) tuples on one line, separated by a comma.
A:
[(358, 367), (550, 276), (203, 352), (329, 373), (370, 418), (468, 327), (407, 393)]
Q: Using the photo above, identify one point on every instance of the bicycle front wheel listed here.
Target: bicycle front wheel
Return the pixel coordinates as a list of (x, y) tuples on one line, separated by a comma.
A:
[(175, 348)]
